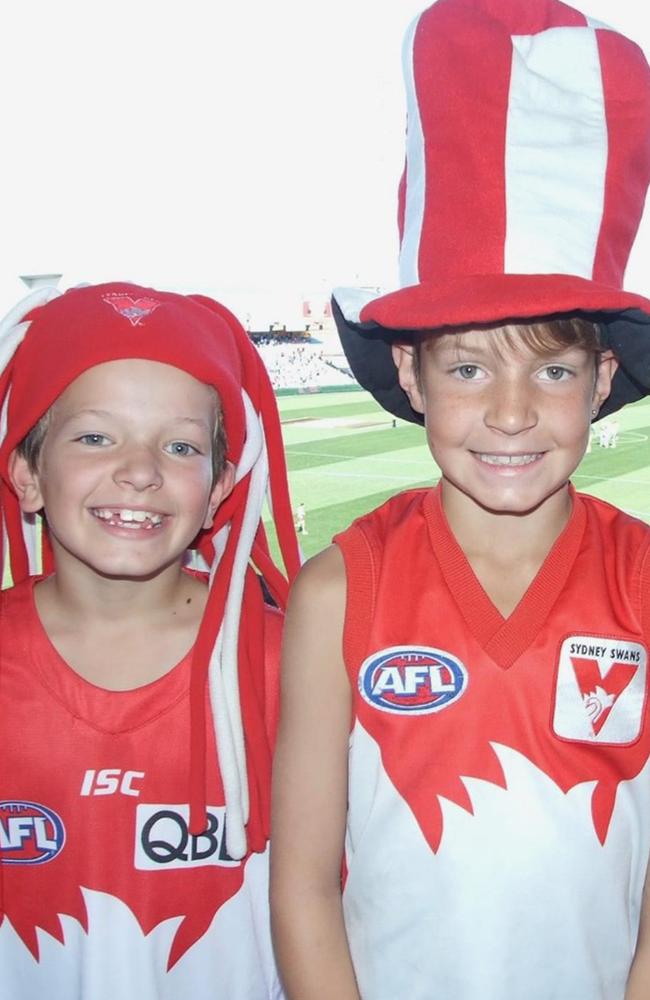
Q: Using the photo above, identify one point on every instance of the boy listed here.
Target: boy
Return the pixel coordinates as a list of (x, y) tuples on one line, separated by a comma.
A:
[(471, 729), (133, 835)]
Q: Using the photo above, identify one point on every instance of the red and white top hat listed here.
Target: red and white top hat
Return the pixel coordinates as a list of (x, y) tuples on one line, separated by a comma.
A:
[(527, 165)]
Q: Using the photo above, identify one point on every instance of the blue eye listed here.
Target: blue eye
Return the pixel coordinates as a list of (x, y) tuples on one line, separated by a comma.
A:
[(181, 448), (555, 373), (94, 440), (467, 372)]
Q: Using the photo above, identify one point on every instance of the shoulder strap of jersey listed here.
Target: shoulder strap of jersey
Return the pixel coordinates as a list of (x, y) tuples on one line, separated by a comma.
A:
[(362, 556), (644, 592)]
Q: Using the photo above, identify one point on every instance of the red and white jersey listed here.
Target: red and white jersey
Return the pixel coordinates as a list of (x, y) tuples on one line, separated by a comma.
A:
[(499, 809), (105, 894)]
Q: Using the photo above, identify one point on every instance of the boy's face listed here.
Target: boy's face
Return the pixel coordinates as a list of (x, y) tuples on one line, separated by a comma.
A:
[(125, 472), (507, 425)]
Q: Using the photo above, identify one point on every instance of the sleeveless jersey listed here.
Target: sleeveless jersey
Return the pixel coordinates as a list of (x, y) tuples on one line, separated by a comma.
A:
[(105, 894), (499, 804)]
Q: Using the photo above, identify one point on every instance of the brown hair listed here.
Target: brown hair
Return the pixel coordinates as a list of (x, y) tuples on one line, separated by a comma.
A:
[(543, 335)]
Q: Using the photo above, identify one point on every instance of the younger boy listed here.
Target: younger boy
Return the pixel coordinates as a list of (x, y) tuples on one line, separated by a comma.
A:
[(132, 835), (487, 639)]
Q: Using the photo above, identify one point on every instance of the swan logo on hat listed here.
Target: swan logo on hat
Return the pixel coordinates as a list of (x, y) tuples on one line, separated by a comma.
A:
[(135, 310), (412, 680)]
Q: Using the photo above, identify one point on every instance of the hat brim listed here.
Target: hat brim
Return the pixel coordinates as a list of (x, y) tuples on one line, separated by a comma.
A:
[(368, 328)]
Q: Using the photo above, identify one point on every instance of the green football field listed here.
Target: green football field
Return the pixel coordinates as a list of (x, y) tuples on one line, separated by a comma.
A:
[(345, 457)]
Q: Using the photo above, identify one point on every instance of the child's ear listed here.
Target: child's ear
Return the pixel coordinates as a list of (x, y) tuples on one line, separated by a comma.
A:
[(26, 483), (606, 371), (221, 489), (404, 358)]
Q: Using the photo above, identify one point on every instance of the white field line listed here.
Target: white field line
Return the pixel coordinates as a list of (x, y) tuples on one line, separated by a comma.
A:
[(358, 475), (356, 458), (612, 479)]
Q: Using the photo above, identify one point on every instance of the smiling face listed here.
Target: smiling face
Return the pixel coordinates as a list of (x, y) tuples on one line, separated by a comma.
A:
[(507, 422), (125, 471)]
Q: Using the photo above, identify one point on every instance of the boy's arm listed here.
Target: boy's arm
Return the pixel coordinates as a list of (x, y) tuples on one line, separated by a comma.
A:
[(310, 790), (638, 985)]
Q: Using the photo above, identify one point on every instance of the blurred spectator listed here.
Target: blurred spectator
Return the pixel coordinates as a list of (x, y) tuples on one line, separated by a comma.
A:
[(296, 366)]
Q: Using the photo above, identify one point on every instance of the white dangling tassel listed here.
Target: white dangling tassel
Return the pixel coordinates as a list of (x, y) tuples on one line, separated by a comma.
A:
[(232, 616), (12, 329), (4, 540), (31, 530), (224, 667), (254, 439), (235, 822), (3, 416), (219, 547), (12, 332)]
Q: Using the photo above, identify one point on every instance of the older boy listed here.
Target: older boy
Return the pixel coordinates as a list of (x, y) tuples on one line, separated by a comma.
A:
[(488, 638), (132, 836)]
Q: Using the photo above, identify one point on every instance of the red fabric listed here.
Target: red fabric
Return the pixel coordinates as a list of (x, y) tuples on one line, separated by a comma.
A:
[(56, 726), (511, 664), (462, 58), (463, 123), (624, 72), (488, 298), (82, 328)]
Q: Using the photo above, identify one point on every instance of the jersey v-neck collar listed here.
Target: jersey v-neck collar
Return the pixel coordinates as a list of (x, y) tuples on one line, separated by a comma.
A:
[(504, 639)]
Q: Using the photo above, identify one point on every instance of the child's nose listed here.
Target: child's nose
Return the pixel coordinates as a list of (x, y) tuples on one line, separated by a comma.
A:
[(511, 407), (138, 468)]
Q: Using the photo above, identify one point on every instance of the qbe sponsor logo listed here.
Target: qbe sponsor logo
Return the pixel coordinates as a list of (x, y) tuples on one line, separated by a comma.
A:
[(600, 691), (412, 680), (163, 840), (30, 833)]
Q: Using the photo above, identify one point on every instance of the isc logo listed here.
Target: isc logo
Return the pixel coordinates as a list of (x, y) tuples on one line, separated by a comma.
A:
[(110, 780), (30, 834), (412, 680)]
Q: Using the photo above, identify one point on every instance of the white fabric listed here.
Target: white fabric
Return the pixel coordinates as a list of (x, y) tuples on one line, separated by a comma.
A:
[(415, 171), (115, 960), (556, 153), (459, 920), (223, 669)]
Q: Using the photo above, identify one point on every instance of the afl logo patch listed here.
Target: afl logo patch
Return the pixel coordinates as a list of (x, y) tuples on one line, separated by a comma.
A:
[(412, 680), (30, 834)]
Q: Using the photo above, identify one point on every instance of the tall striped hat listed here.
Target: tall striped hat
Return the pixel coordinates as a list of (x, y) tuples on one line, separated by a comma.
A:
[(527, 165)]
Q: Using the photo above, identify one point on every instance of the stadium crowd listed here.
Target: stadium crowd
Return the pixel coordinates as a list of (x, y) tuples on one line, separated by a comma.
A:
[(302, 366)]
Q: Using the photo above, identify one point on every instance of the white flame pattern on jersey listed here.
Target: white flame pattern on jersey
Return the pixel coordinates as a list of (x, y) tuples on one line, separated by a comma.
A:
[(521, 899), (116, 961)]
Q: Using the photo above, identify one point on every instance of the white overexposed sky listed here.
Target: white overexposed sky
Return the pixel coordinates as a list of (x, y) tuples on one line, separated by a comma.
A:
[(248, 151)]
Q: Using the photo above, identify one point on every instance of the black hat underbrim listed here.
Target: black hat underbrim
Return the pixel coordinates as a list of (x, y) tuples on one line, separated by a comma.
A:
[(367, 347)]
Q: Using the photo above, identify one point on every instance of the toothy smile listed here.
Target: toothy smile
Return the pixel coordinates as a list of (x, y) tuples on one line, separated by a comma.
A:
[(124, 517), (507, 459)]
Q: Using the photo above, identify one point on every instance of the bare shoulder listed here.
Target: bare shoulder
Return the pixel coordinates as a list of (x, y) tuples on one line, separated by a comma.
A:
[(313, 632), (321, 579)]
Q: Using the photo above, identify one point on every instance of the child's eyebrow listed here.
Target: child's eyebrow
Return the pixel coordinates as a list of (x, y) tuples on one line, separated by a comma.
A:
[(473, 347), (107, 415), (87, 413), (195, 421)]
